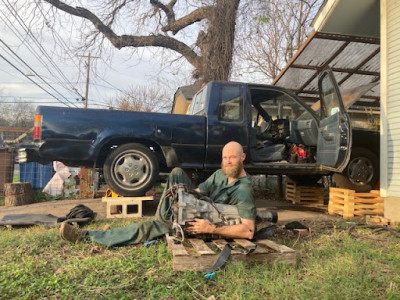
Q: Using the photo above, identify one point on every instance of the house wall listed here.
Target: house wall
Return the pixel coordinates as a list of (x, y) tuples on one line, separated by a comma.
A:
[(181, 104), (390, 108)]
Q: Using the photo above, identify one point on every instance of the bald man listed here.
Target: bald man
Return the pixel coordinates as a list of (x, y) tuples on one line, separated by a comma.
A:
[(229, 185)]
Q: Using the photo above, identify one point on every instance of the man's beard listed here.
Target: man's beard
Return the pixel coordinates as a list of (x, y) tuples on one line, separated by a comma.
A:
[(234, 170)]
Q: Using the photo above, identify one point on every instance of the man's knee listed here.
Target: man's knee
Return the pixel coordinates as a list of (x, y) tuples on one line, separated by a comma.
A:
[(176, 172), (179, 176)]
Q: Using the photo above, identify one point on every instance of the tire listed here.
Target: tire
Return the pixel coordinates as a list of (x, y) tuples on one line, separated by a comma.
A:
[(131, 170), (361, 173)]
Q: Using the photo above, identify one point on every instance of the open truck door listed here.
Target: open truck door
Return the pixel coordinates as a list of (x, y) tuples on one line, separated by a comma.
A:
[(334, 136)]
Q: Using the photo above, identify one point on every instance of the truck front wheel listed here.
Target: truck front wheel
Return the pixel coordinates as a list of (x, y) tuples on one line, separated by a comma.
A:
[(131, 170), (361, 173)]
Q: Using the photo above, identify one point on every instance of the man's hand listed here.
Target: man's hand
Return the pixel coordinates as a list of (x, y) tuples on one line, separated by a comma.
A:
[(199, 226)]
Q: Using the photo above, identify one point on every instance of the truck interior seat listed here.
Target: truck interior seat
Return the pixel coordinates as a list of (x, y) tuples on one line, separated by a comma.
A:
[(268, 153)]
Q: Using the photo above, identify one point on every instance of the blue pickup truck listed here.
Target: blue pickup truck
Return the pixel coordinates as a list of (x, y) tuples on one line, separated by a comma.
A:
[(279, 133)]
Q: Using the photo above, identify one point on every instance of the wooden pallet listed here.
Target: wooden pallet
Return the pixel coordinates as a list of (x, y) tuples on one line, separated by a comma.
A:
[(379, 220), (197, 255), (349, 204), (308, 195)]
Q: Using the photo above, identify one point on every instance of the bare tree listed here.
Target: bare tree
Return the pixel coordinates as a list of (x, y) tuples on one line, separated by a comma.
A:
[(142, 98), (18, 114), (202, 32), (271, 32)]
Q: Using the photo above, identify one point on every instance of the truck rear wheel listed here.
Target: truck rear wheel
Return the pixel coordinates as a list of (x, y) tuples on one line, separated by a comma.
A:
[(361, 173), (131, 170)]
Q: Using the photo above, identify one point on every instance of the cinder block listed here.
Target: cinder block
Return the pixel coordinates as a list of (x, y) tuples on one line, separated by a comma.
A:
[(125, 207)]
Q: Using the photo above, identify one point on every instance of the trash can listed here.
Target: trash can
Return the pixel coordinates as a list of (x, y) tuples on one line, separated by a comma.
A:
[(37, 174), (6, 166)]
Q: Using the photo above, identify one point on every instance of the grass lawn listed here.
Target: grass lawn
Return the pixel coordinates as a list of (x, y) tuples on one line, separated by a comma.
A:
[(332, 264)]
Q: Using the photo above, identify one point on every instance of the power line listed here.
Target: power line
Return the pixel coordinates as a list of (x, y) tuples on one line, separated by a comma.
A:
[(40, 47), (58, 37), (44, 81), (28, 34), (32, 80), (28, 97), (111, 85)]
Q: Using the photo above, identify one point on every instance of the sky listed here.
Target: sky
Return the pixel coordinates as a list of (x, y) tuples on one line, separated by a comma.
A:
[(43, 70)]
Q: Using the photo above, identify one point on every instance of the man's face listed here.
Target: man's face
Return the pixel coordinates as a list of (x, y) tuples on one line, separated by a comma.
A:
[(232, 164)]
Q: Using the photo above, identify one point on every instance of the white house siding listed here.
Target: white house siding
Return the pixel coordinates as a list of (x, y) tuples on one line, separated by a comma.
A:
[(390, 107)]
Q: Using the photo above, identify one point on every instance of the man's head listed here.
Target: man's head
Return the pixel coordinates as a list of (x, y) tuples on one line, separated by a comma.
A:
[(232, 160)]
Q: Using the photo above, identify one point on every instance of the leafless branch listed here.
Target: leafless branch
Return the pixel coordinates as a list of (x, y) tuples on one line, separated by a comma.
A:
[(196, 16)]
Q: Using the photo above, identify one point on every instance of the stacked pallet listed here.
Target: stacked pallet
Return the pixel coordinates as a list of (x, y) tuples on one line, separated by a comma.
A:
[(349, 204), (298, 194)]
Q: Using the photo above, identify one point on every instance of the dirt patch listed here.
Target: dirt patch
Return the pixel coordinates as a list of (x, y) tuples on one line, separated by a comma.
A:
[(58, 208), (265, 200)]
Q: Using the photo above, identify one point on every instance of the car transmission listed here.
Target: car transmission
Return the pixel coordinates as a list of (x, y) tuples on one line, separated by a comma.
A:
[(189, 205)]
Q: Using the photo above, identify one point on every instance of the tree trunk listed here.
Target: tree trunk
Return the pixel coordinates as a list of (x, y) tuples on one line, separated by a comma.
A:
[(217, 44), (18, 194)]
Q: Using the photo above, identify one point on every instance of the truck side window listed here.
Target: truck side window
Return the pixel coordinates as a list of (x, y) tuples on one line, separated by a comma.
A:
[(231, 103), (198, 103)]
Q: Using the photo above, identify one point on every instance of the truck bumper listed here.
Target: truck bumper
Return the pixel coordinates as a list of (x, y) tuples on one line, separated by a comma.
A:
[(31, 154)]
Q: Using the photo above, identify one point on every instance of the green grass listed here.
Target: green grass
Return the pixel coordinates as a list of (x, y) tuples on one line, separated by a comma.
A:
[(36, 264)]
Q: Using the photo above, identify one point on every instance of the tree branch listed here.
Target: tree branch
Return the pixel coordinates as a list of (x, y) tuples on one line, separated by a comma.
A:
[(195, 16), (115, 11), (130, 40), (166, 8)]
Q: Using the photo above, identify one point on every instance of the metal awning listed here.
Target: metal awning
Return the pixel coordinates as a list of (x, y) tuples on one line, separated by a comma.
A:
[(354, 60)]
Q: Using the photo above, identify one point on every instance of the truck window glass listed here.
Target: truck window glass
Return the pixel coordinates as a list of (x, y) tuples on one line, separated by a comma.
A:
[(230, 107), (279, 121), (275, 106), (330, 100), (198, 103)]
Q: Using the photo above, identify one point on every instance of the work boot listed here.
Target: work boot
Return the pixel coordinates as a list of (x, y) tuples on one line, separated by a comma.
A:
[(71, 233)]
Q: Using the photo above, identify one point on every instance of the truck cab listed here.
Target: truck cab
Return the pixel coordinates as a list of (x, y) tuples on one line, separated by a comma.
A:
[(279, 133)]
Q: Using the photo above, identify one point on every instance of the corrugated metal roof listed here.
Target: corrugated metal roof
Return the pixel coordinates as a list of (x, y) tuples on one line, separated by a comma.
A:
[(354, 60)]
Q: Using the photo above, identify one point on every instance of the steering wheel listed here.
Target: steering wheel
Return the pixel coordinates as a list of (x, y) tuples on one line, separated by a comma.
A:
[(263, 131)]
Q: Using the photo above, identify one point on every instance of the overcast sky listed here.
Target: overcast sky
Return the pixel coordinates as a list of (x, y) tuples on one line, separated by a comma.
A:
[(65, 77)]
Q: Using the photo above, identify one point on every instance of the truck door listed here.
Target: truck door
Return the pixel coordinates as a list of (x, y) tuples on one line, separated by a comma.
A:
[(226, 121), (334, 136)]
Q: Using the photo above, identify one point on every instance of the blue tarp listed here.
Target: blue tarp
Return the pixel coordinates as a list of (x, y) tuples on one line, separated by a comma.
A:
[(37, 174)]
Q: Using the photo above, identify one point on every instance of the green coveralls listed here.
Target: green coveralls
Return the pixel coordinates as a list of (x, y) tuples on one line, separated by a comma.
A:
[(237, 193)]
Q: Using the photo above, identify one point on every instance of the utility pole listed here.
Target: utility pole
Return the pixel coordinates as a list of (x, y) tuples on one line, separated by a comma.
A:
[(85, 184), (89, 57)]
